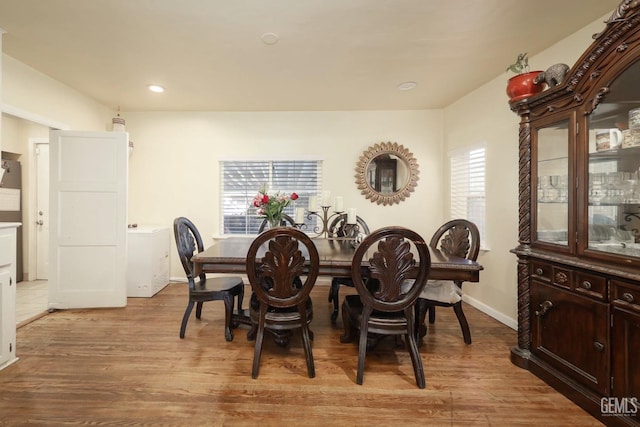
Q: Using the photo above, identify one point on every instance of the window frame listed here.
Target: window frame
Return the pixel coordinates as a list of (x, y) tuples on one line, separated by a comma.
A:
[(259, 171), (468, 180)]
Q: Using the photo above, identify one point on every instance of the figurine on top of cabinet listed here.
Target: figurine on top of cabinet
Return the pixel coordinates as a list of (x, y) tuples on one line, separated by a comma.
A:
[(553, 76)]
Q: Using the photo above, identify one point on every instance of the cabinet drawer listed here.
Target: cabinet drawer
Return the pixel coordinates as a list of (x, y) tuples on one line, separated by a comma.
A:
[(591, 285), (541, 271), (625, 295)]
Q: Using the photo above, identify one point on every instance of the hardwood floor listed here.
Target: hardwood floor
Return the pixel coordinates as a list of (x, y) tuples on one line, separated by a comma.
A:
[(128, 366)]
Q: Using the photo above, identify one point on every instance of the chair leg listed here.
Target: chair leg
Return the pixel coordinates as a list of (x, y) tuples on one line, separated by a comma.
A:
[(199, 310), (228, 311), (362, 346), (306, 341), (349, 330), (462, 319), (251, 335), (185, 318), (432, 314), (333, 296), (420, 314), (413, 350), (240, 298), (258, 346)]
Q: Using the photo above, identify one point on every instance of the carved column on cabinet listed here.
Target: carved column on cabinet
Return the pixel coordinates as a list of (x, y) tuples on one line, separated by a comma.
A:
[(524, 235), (524, 190)]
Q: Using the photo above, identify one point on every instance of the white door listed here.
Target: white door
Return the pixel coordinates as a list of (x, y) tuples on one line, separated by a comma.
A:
[(42, 211), (88, 213)]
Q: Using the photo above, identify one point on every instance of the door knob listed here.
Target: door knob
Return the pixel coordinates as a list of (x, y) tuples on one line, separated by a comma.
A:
[(40, 222)]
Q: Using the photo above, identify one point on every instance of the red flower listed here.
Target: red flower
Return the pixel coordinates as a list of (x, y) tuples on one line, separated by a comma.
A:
[(294, 196), (265, 199)]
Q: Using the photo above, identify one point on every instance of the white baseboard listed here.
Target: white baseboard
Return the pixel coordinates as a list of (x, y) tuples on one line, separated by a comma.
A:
[(500, 317)]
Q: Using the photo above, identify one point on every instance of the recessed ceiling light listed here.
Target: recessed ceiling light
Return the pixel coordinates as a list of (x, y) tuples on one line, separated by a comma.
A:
[(270, 38), (407, 85), (156, 88)]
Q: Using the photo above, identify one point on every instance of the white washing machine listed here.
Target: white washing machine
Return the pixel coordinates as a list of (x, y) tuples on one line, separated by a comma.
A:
[(147, 260)]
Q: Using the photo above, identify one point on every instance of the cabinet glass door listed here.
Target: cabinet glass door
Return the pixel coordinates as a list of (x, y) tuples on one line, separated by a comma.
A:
[(614, 161), (553, 183)]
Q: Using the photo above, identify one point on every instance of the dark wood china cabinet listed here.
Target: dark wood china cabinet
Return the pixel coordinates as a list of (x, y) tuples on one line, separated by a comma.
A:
[(578, 258)]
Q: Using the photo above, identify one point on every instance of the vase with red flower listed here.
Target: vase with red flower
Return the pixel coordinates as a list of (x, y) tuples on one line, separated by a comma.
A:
[(271, 206)]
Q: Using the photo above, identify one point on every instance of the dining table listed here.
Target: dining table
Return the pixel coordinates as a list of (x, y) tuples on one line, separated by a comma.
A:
[(229, 255)]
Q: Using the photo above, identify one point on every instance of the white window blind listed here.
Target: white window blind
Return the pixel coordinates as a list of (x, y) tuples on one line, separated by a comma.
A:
[(468, 186), (242, 179)]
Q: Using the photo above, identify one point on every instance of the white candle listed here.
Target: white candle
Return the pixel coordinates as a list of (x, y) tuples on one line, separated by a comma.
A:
[(326, 198), (351, 216), (338, 204), (299, 215), (313, 203)]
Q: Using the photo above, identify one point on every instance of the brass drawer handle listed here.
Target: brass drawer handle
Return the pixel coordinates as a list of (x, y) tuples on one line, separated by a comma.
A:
[(544, 308), (627, 297), (586, 284), (539, 271), (599, 346)]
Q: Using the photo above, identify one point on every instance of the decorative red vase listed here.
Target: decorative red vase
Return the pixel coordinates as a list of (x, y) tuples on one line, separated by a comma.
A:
[(522, 86)]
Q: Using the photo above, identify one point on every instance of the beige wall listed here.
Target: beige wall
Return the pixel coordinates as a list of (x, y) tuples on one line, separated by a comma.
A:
[(178, 154), (484, 116), (30, 90)]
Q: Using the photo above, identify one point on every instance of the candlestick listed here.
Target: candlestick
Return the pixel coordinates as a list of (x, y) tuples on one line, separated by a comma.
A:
[(326, 219), (299, 215), (313, 203), (351, 216), (326, 198), (338, 204)]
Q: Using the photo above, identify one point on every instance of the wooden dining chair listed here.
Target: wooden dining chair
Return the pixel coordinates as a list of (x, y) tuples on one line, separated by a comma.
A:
[(286, 220), (384, 304), (282, 276), (461, 238), (201, 288), (340, 228)]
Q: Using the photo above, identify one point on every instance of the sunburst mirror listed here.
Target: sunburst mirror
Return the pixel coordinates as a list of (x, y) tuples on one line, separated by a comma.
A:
[(387, 173)]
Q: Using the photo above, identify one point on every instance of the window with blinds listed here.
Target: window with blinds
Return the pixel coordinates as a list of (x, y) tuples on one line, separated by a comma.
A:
[(242, 179), (467, 168)]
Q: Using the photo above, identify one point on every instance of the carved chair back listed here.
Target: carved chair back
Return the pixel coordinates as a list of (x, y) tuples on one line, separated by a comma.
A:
[(458, 237), (340, 228), (396, 254), (276, 266), (188, 243)]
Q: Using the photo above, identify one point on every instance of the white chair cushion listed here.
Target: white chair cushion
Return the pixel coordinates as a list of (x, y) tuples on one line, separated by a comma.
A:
[(437, 290), (442, 291)]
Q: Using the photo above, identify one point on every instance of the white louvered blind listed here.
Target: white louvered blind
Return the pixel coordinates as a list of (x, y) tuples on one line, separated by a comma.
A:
[(242, 179), (468, 187)]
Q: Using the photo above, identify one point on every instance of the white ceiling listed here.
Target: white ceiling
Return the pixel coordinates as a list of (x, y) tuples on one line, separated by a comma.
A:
[(331, 54)]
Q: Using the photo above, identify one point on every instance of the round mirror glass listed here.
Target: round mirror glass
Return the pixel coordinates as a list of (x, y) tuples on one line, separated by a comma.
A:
[(386, 173)]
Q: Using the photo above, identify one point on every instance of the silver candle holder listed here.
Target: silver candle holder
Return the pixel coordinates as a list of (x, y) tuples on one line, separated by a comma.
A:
[(324, 217)]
